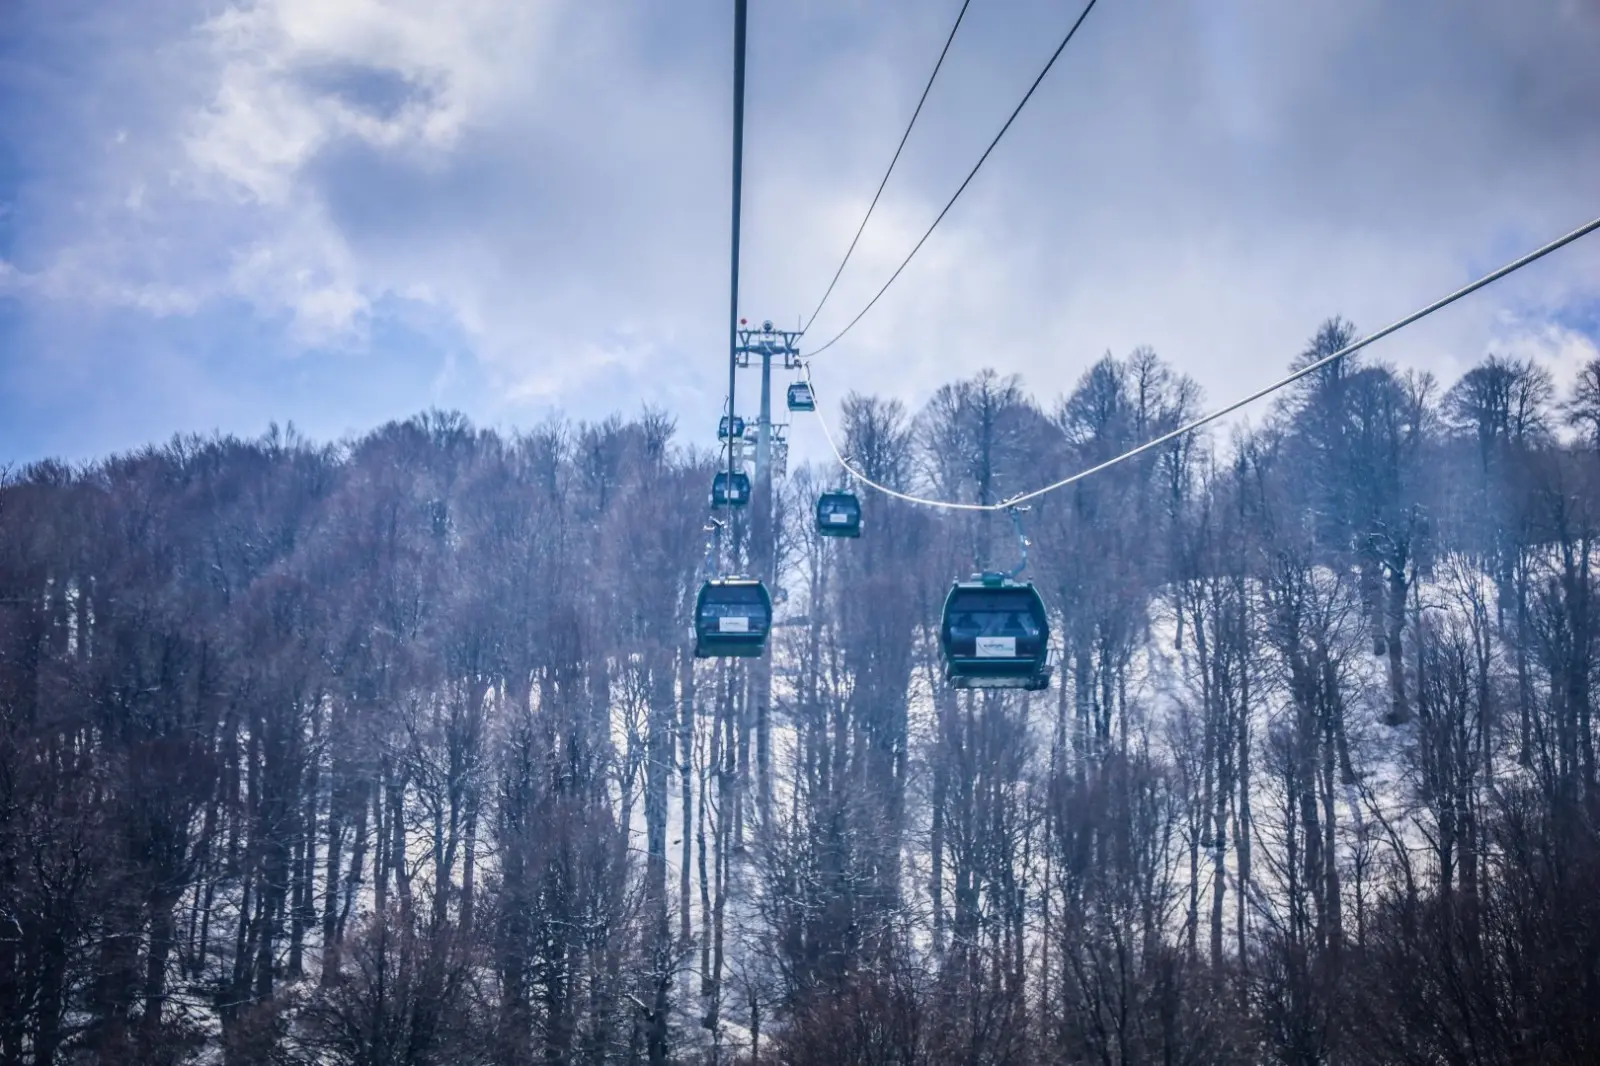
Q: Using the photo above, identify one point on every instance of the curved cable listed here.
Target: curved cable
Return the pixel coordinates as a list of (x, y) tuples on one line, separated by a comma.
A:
[(1190, 427), (963, 187), (898, 149)]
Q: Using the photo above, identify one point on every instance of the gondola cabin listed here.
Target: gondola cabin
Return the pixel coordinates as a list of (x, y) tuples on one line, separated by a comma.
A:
[(995, 634), (730, 428), (732, 617), (801, 397), (730, 491), (838, 515)]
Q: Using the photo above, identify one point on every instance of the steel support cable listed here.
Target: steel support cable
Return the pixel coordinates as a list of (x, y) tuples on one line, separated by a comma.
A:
[(1394, 327), (848, 252), (733, 285), (963, 187)]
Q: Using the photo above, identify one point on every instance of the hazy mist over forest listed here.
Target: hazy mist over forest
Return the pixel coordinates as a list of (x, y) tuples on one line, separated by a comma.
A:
[(396, 751)]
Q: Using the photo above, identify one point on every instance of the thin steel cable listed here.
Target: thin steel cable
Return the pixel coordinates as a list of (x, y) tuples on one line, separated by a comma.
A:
[(733, 298), (1394, 327), (848, 252), (963, 187)]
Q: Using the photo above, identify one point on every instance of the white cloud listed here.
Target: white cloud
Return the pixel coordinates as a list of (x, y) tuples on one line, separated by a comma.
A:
[(298, 78), (278, 99), (1562, 350)]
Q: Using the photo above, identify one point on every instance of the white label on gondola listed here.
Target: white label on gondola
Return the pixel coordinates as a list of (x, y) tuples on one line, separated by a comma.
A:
[(733, 623), (839, 518), (997, 647)]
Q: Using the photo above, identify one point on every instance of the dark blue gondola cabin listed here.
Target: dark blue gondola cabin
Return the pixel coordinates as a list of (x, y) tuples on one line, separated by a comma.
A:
[(732, 618), (801, 397), (838, 515), (730, 492), (730, 428), (995, 634)]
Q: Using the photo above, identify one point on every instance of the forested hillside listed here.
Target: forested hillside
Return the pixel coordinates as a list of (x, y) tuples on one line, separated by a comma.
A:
[(395, 751)]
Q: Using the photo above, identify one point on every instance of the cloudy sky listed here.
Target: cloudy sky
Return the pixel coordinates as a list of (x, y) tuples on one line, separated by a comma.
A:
[(214, 215)]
